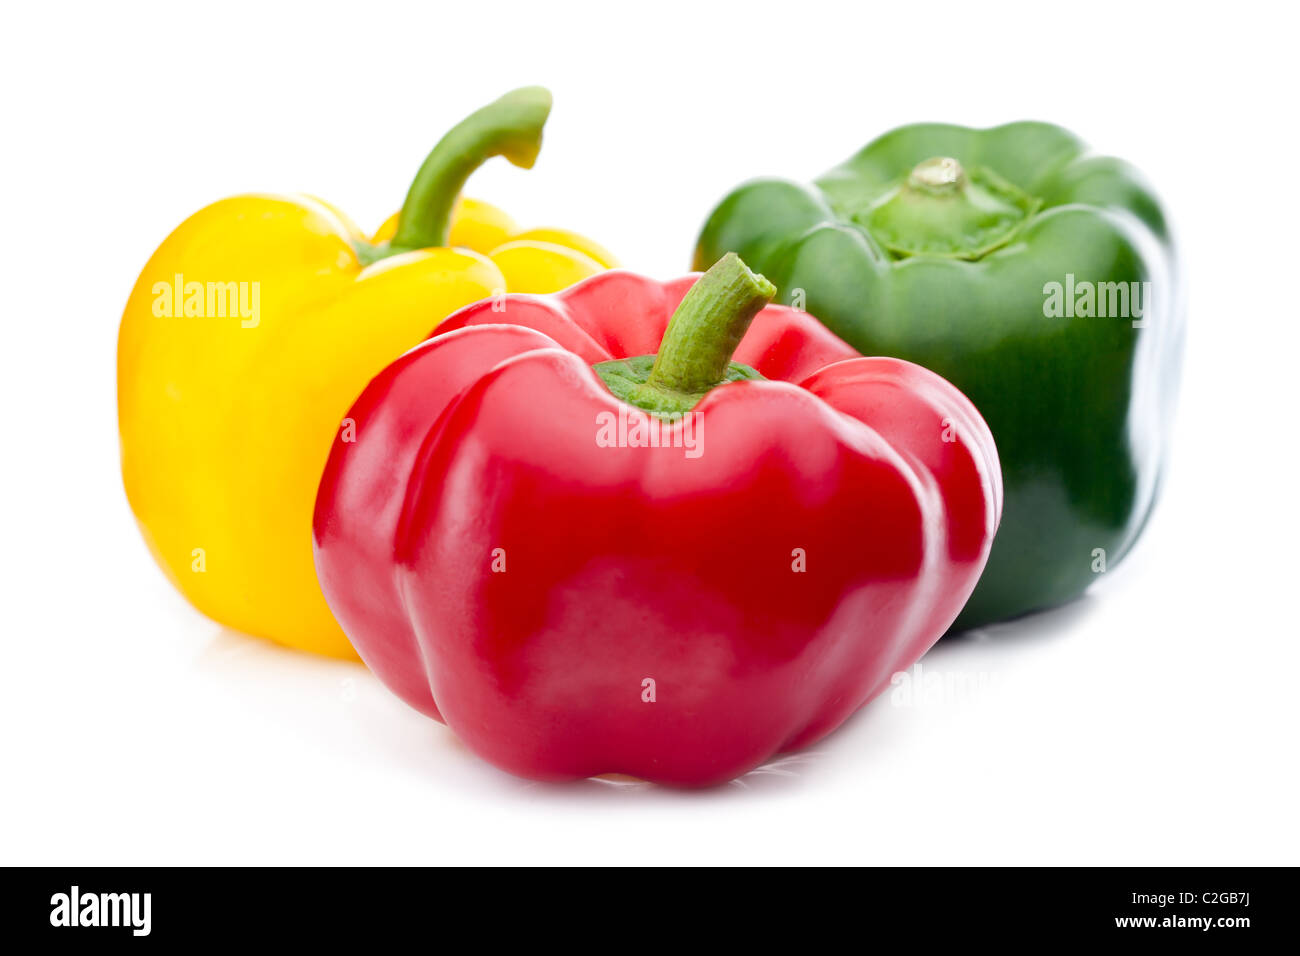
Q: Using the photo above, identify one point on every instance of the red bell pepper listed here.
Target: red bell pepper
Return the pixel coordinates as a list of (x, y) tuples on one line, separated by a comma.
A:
[(589, 565)]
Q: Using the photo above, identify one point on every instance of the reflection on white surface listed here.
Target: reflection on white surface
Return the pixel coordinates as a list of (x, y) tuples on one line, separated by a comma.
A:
[(268, 683)]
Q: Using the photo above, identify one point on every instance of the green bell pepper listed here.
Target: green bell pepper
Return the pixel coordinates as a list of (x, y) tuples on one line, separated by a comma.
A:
[(1037, 278)]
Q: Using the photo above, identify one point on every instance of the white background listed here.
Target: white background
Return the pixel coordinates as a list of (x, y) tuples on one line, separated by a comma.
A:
[(1154, 721)]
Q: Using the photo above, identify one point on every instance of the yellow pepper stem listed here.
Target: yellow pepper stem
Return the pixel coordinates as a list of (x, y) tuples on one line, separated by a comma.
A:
[(510, 126)]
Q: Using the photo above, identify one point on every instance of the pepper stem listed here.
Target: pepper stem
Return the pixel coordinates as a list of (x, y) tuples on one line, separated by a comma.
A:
[(939, 173), (708, 325), (944, 209), (509, 127)]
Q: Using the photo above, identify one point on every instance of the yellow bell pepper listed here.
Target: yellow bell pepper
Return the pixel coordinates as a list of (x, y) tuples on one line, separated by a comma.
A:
[(534, 257), (253, 328)]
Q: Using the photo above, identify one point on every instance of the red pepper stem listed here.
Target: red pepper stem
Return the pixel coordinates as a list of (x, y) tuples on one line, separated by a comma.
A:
[(707, 327), (509, 127)]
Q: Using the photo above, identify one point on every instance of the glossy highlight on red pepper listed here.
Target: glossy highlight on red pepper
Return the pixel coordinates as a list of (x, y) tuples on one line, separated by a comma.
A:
[(573, 602)]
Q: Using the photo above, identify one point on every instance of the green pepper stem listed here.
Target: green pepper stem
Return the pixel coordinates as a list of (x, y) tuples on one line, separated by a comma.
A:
[(509, 127), (938, 174), (942, 209), (708, 325)]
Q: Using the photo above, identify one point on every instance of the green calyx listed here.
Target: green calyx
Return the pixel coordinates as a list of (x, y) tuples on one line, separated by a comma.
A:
[(695, 353), (942, 209), (510, 126), (629, 380)]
